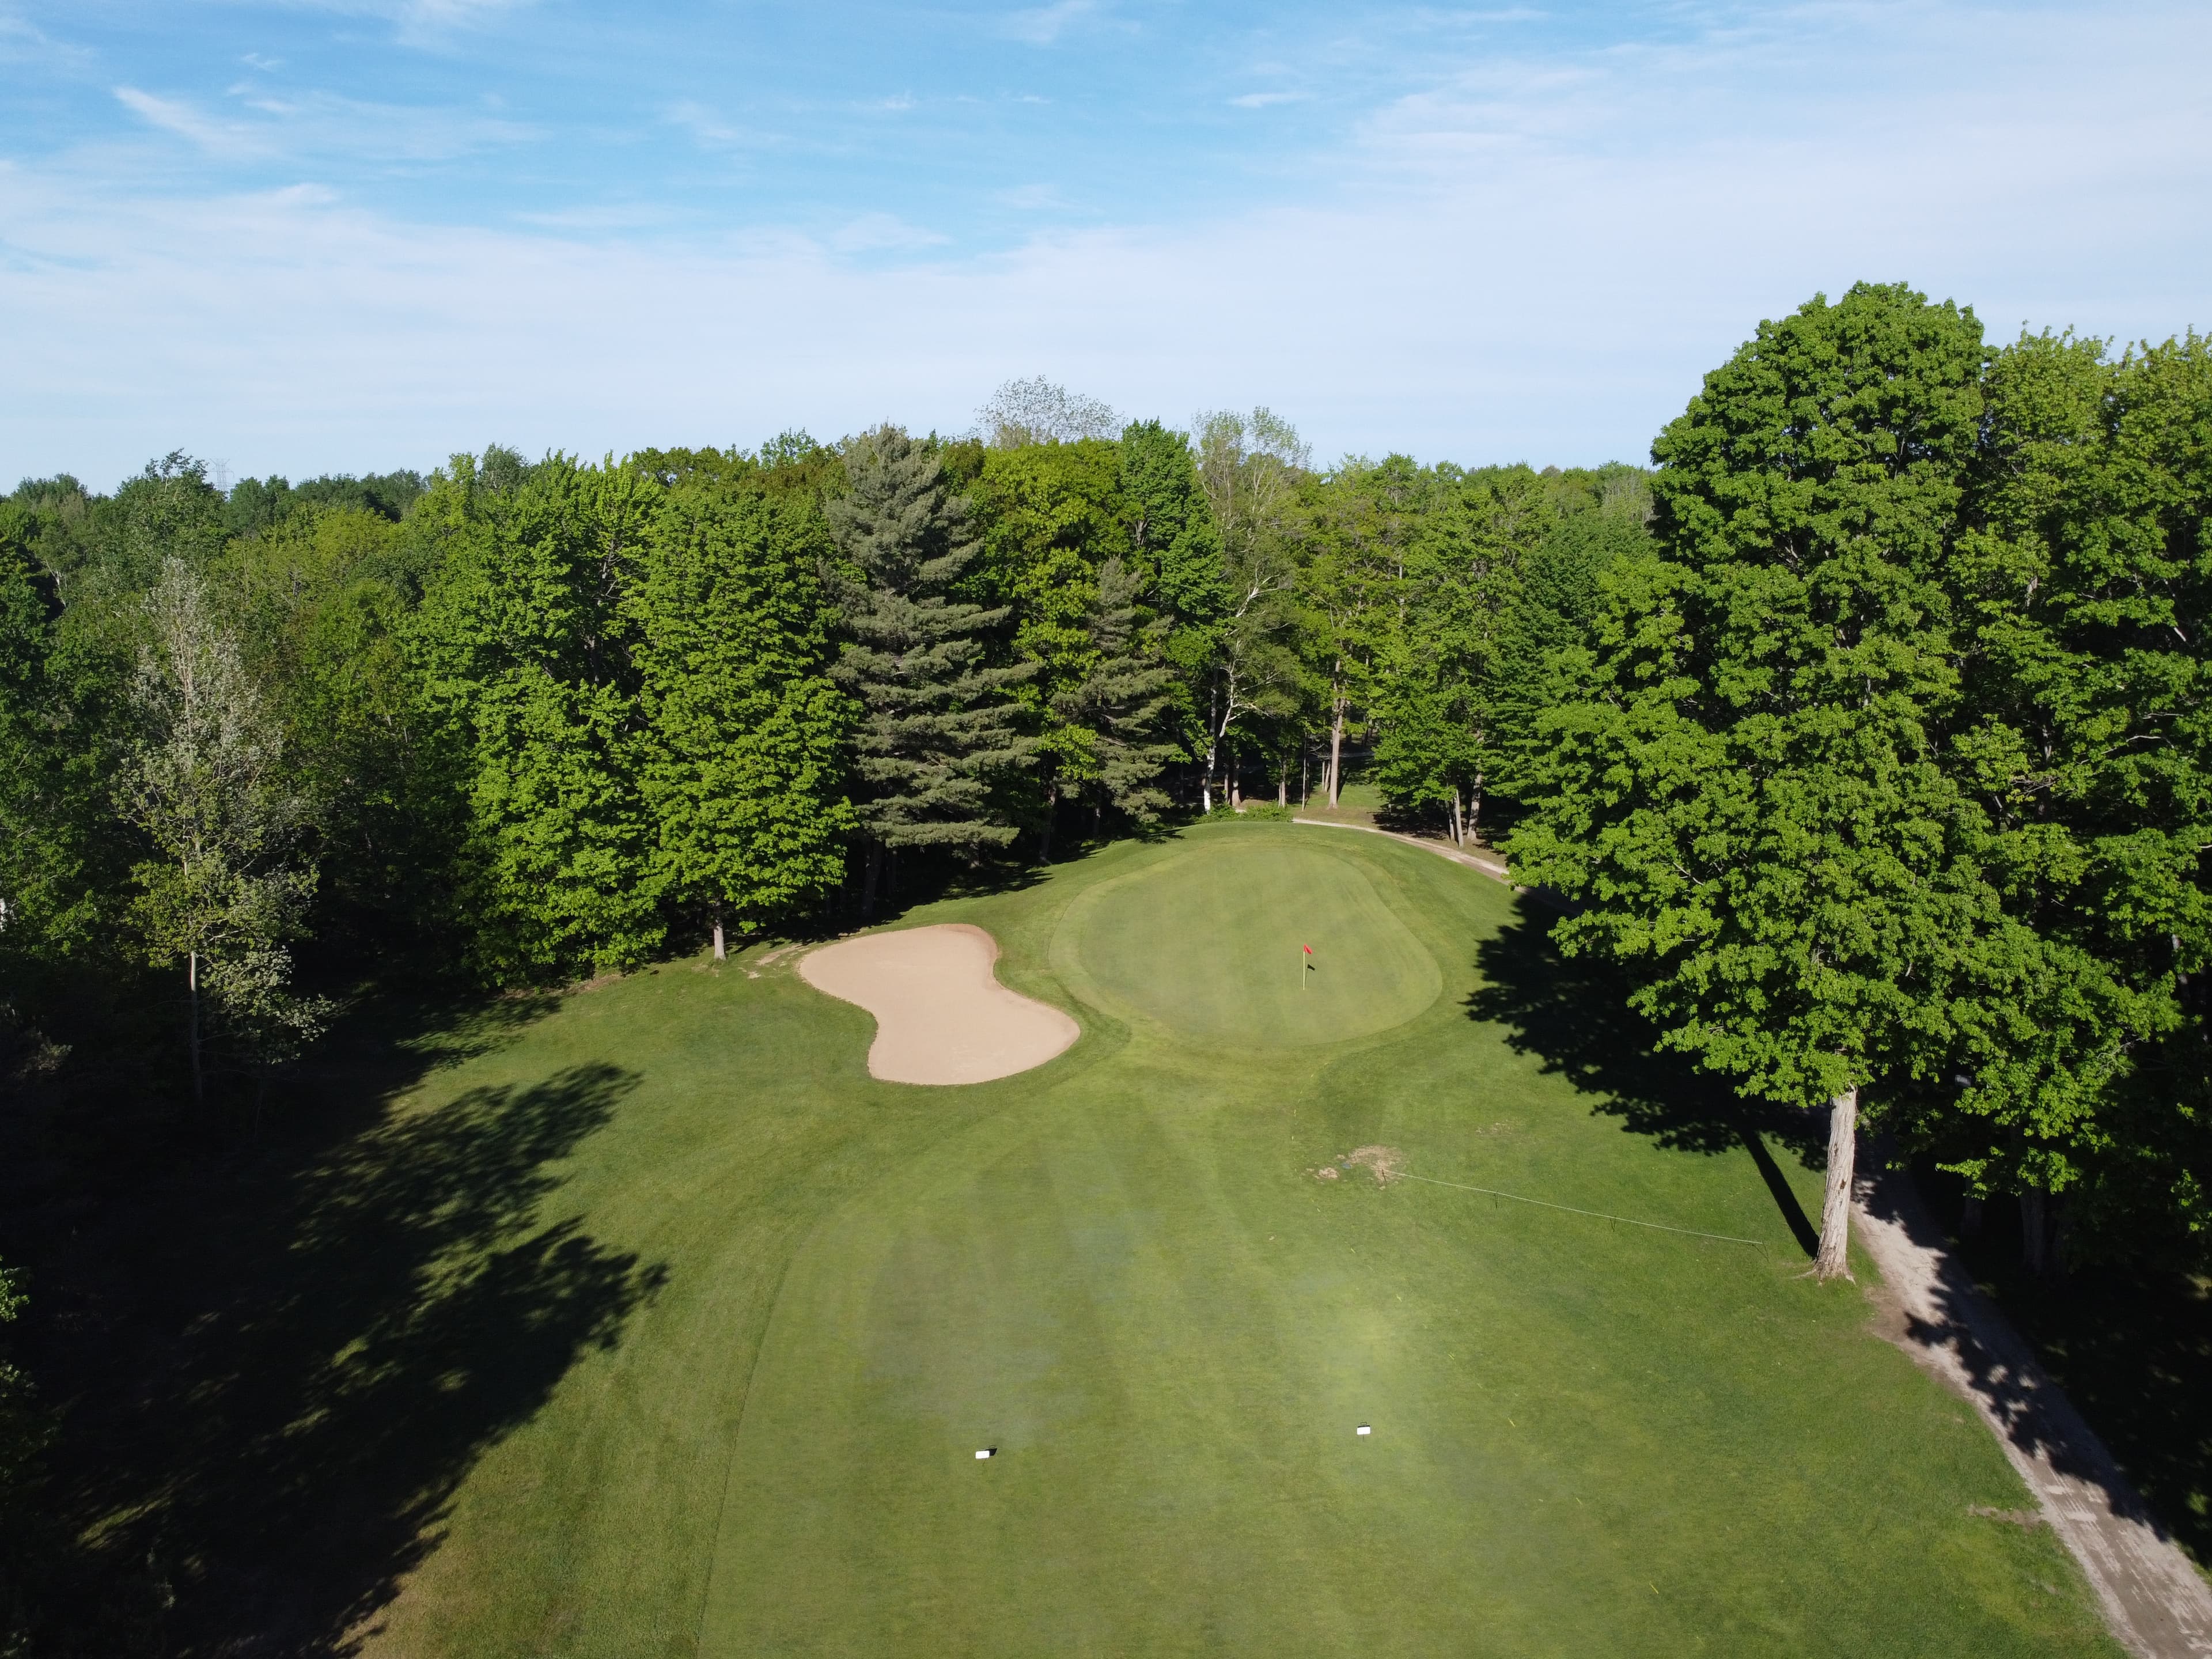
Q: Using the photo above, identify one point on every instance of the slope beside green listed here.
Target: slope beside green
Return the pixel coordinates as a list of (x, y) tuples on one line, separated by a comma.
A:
[(1123, 1271)]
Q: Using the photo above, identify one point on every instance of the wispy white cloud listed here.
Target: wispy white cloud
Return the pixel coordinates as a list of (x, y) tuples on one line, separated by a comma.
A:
[(266, 65), (1034, 198), (231, 140), (897, 102), (1043, 25), (879, 233), (24, 41), (1262, 100), (422, 22), (321, 126), (708, 128)]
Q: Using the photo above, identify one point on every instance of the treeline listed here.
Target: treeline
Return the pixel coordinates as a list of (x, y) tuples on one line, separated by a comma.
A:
[(543, 719)]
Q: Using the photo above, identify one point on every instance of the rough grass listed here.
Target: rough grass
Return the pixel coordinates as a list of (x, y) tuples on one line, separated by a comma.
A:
[(1119, 1270)]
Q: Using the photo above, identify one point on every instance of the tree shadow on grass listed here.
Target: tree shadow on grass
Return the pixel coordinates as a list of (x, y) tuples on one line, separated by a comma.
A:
[(1573, 1013), (275, 1368)]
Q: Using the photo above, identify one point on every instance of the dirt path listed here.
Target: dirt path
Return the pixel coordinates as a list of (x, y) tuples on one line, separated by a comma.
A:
[(2154, 1600), (941, 1015), (1489, 863)]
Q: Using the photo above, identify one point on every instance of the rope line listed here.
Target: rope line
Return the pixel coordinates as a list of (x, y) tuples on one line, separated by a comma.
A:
[(1656, 1226)]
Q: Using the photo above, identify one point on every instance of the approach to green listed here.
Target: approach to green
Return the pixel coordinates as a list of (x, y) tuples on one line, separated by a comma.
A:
[(1244, 1388)]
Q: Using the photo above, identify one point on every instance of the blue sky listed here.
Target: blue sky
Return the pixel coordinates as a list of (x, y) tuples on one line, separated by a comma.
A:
[(358, 233)]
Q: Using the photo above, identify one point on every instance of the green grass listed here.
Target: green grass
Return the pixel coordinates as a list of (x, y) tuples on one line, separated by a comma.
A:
[(828, 1292)]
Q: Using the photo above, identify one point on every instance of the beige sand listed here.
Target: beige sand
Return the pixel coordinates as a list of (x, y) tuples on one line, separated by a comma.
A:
[(941, 1014)]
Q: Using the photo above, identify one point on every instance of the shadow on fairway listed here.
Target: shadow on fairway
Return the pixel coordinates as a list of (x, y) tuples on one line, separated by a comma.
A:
[(282, 1359), (1573, 1014)]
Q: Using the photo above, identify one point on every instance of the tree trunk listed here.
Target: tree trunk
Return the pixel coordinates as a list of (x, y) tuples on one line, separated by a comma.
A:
[(1336, 757), (1475, 812), (1305, 775), (192, 982), (1970, 1218), (719, 954), (1283, 781), (1051, 809), (874, 874), (2035, 1231), (1458, 819), (1833, 1260)]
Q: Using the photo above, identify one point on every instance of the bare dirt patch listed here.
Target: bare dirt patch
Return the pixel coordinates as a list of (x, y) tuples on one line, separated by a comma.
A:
[(941, 1015), (1386, 1163)]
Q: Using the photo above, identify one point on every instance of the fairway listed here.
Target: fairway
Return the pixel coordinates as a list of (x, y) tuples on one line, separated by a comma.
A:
[(1121, 1270)]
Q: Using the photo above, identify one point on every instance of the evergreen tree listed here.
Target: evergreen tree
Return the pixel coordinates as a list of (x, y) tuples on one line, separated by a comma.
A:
[(524, 651), (1749, 801), (1124, 705), (743, 772), (939, 728)]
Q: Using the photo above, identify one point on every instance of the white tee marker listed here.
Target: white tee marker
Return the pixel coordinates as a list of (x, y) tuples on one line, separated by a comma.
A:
[(1362, 1429), (993, 1451)]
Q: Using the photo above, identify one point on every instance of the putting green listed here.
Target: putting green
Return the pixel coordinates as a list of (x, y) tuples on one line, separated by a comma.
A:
[(1121, 1270), (1212, 947)]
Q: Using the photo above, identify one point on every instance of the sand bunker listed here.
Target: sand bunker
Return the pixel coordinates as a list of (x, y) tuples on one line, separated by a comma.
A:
[(941, 1014)]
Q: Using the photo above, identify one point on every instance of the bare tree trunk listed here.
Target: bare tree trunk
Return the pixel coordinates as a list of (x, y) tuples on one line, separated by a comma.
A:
[(1305, 774), (1970, 1218), (192, 982), (2035, 1231), (1833, 1260), (1051, 807), (1475, 812), (874, 869), (1283, 780), (719, 954), (1458, 820), (1336, 757)]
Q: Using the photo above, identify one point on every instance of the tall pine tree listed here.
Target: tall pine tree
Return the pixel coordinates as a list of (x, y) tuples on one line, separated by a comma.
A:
[(938, 731)]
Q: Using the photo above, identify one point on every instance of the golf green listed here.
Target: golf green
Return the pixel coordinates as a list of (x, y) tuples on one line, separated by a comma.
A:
[(1282, 951), (1127, 1271)]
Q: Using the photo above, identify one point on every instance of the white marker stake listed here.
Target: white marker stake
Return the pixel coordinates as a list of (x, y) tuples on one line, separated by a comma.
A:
[(1364, 1429), (993, 1451)]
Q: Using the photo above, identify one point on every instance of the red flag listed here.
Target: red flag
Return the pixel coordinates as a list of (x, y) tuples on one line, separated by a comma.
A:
[(1307, 949)]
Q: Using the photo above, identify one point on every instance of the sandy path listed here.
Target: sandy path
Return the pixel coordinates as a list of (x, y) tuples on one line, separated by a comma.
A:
[(941, 1014), (2153, 1598), (1489, 863)]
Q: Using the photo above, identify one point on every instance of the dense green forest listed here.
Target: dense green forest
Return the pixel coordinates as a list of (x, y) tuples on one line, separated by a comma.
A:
[(1864, 736)]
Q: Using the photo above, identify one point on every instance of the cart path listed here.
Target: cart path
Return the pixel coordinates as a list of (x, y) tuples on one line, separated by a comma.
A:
[(2154, 1601), (1490, 865)]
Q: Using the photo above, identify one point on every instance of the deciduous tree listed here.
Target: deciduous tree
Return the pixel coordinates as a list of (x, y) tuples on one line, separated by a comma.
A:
[(1749, 802)]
